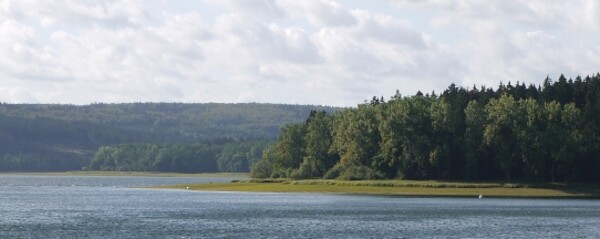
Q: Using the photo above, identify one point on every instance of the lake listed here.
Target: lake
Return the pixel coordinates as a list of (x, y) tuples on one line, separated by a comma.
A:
[(108, 207)]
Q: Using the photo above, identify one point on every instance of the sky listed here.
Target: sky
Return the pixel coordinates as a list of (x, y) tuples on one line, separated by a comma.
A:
[(323, 52)]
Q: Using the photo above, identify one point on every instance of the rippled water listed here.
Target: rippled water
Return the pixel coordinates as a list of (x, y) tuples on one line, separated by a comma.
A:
[(104, 207)]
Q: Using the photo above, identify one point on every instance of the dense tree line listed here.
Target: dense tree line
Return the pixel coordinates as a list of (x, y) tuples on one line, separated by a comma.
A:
[(238, 156), (42, 137), (539, 133), (153, 157), (189, 158)]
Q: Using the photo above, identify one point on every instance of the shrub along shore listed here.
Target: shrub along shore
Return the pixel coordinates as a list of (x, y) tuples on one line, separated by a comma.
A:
[(402, 188)]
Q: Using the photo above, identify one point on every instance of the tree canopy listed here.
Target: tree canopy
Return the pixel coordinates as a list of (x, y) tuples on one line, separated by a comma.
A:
[(538, 133)]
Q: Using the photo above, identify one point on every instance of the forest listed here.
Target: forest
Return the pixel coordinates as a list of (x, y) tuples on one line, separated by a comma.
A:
[(543, 133), (47, 137), (184, 158)]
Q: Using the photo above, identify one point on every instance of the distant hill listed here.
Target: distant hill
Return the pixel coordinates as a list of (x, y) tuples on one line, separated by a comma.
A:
[(48, 137)]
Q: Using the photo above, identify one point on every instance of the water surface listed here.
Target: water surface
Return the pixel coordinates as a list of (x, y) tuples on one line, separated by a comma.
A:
[(106, 207)]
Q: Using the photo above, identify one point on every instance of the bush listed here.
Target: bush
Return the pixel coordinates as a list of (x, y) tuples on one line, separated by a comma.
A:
[(334, 172), (262, 169), (282, 173), (303, 172), (276, 174), (288, 172), (359, 173)]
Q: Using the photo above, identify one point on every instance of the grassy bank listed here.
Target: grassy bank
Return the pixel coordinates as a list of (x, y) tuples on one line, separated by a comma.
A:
[(403, 188), (130, 173)]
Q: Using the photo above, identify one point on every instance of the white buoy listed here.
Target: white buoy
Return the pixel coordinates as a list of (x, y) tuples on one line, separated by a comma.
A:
[(480, 196)]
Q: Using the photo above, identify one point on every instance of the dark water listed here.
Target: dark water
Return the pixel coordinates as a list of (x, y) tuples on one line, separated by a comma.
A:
[(104, 207)]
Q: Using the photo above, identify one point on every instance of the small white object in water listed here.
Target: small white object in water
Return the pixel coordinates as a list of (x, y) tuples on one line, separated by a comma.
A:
[(480, 195), (188, 188)]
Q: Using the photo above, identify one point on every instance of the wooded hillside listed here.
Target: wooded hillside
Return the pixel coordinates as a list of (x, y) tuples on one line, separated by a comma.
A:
[(39, 137)]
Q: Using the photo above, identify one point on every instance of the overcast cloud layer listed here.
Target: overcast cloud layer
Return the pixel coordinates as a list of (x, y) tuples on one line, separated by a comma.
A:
[(285, 51)]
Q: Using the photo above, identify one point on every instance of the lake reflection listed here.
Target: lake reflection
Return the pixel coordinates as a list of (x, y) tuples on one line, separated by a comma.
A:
[(104, 207)]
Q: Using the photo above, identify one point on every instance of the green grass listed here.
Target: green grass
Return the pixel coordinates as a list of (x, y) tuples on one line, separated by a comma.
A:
[(132, 174), (402, 188)]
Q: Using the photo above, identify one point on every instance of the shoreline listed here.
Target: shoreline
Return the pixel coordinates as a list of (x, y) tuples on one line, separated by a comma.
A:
[(440, 189), (392, 188)]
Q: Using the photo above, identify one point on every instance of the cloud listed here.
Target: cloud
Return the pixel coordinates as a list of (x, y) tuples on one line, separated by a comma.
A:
[(256, 8), (267, 41), (260, 51), (321, 13), (111, 13), (517, 40), (23, 58), (283, 51), (327, 62)]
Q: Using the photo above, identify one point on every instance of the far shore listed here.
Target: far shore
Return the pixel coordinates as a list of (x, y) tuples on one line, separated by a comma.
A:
[(128, 173), (402, 188), (360, 187)]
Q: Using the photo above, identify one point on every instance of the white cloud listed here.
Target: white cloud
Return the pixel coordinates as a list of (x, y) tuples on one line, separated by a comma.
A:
[(520, 40), (111, 13), (283, 51), (23, 58), (321, 13), (256, 8)]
